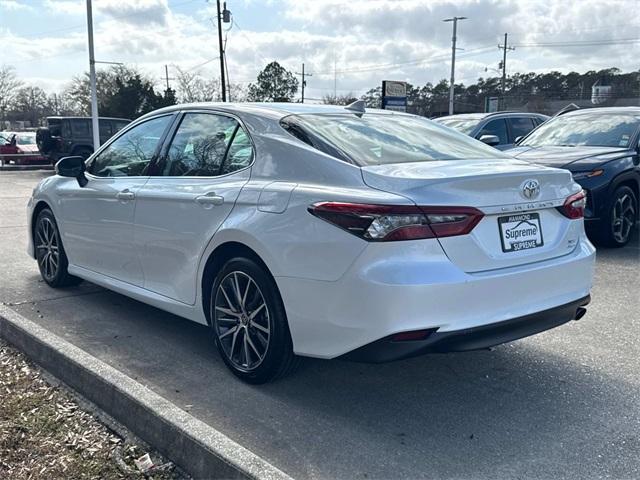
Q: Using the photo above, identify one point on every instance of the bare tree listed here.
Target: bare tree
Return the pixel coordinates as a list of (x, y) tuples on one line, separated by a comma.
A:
[(192, 87), (31, 103), (9, 86)]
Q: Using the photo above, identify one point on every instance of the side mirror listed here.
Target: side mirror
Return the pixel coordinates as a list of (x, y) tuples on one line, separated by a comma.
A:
[(491, 140), (73, 167)]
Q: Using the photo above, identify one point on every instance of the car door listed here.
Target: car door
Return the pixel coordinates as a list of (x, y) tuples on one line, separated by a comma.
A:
[(497, 127), (199, 178), (97, 219)]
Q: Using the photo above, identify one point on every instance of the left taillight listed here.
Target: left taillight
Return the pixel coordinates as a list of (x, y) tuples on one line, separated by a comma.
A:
[(573, 206), (384, 223)]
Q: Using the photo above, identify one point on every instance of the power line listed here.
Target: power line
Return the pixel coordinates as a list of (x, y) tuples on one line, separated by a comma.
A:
[(468, 53), (583, 43)]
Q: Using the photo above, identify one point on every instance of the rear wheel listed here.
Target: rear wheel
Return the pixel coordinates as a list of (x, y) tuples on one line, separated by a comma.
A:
[(617, 228), (249, 322), (50, 254)]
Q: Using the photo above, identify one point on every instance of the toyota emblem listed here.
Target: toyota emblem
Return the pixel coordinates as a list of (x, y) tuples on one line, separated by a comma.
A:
[(530, 189)]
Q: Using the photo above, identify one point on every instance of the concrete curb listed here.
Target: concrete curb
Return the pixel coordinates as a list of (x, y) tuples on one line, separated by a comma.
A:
[(199, 449)]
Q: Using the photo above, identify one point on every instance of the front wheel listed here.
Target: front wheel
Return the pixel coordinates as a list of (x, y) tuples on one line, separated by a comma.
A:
[(50, 254), (249, 323), (617, 228)]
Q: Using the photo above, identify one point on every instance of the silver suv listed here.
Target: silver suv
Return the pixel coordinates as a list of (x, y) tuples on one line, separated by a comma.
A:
[(499, 129)]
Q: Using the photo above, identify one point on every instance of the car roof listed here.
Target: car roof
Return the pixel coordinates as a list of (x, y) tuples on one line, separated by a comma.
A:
[(481, 116), (64, 117), (604, 110), (270, 109)]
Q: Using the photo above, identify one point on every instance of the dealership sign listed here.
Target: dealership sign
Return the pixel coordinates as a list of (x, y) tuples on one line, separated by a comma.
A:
[(394, 95)]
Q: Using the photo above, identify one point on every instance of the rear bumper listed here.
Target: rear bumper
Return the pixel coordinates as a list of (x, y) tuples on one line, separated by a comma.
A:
[(476, 338), (406, 286)]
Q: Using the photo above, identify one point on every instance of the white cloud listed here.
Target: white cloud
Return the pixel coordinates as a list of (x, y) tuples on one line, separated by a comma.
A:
[(368, 40), (14, 5)]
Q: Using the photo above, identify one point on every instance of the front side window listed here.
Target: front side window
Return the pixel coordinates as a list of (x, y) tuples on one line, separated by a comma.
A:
[(520, 126), (378, 139), (497, 128), (590, 129), (200, 145), (130, 154)]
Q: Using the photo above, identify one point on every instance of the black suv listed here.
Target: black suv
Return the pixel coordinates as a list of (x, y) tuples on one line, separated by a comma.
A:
[(67, 136)]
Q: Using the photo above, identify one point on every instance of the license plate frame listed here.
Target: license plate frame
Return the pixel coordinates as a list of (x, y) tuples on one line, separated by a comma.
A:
[(532, 228)]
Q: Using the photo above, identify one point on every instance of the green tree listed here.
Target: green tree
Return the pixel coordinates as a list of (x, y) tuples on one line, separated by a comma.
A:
[(122, 92), (274, 84), (373, 98)]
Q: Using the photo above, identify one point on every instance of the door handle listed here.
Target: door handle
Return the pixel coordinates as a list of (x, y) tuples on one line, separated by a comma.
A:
[(125, 195), (209, 199)]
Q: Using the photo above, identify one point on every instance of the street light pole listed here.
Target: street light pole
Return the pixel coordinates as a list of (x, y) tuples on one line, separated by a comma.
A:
[(453, 58), (92, 80), (222, 78)]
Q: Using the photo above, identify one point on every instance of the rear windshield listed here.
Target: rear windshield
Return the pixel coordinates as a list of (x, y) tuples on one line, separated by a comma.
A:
[(378, 139), (597, 129)]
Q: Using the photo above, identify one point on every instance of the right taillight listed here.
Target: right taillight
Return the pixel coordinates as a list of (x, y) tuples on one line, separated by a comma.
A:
[(384, 223), (573, 207)]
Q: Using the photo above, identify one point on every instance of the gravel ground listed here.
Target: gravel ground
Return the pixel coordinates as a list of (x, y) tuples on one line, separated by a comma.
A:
[(45, 432)]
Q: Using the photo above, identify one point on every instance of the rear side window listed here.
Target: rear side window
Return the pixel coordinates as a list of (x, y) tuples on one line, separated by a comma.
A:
[(497, 128), (119, 125), (520, 126), (81, 127), (105, 129), (200, 144), (240, 153), (378, 139)]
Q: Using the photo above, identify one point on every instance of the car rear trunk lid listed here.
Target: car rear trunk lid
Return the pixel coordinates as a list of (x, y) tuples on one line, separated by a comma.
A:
[(497, 189)]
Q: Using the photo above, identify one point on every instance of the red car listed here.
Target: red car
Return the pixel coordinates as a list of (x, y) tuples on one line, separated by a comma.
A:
[(19, 148)]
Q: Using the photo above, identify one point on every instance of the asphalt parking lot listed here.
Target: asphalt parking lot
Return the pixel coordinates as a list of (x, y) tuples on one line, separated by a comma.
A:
[(562, 404)]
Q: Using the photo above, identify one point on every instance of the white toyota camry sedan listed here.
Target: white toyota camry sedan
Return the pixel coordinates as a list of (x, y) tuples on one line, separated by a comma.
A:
[(303, 230)]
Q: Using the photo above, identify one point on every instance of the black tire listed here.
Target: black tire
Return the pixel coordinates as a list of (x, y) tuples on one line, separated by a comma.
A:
[(616, 229), (84, 152), (247, 341), (50, 254), (44, 140)]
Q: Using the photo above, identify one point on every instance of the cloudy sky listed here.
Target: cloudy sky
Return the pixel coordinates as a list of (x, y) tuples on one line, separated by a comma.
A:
[(349, 46)]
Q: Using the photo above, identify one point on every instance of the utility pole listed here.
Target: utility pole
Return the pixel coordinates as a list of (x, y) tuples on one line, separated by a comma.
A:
[(453, 58), (166, 76), (304, 82), (92, 80), (222, 79), (504, 49)]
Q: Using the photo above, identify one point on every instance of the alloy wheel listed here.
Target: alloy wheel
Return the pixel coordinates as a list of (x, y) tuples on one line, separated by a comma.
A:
[(47, 248), (241, 319), (623, 217)]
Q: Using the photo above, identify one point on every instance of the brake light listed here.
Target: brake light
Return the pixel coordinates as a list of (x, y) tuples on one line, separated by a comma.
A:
[(573, 207), (383, 223)]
